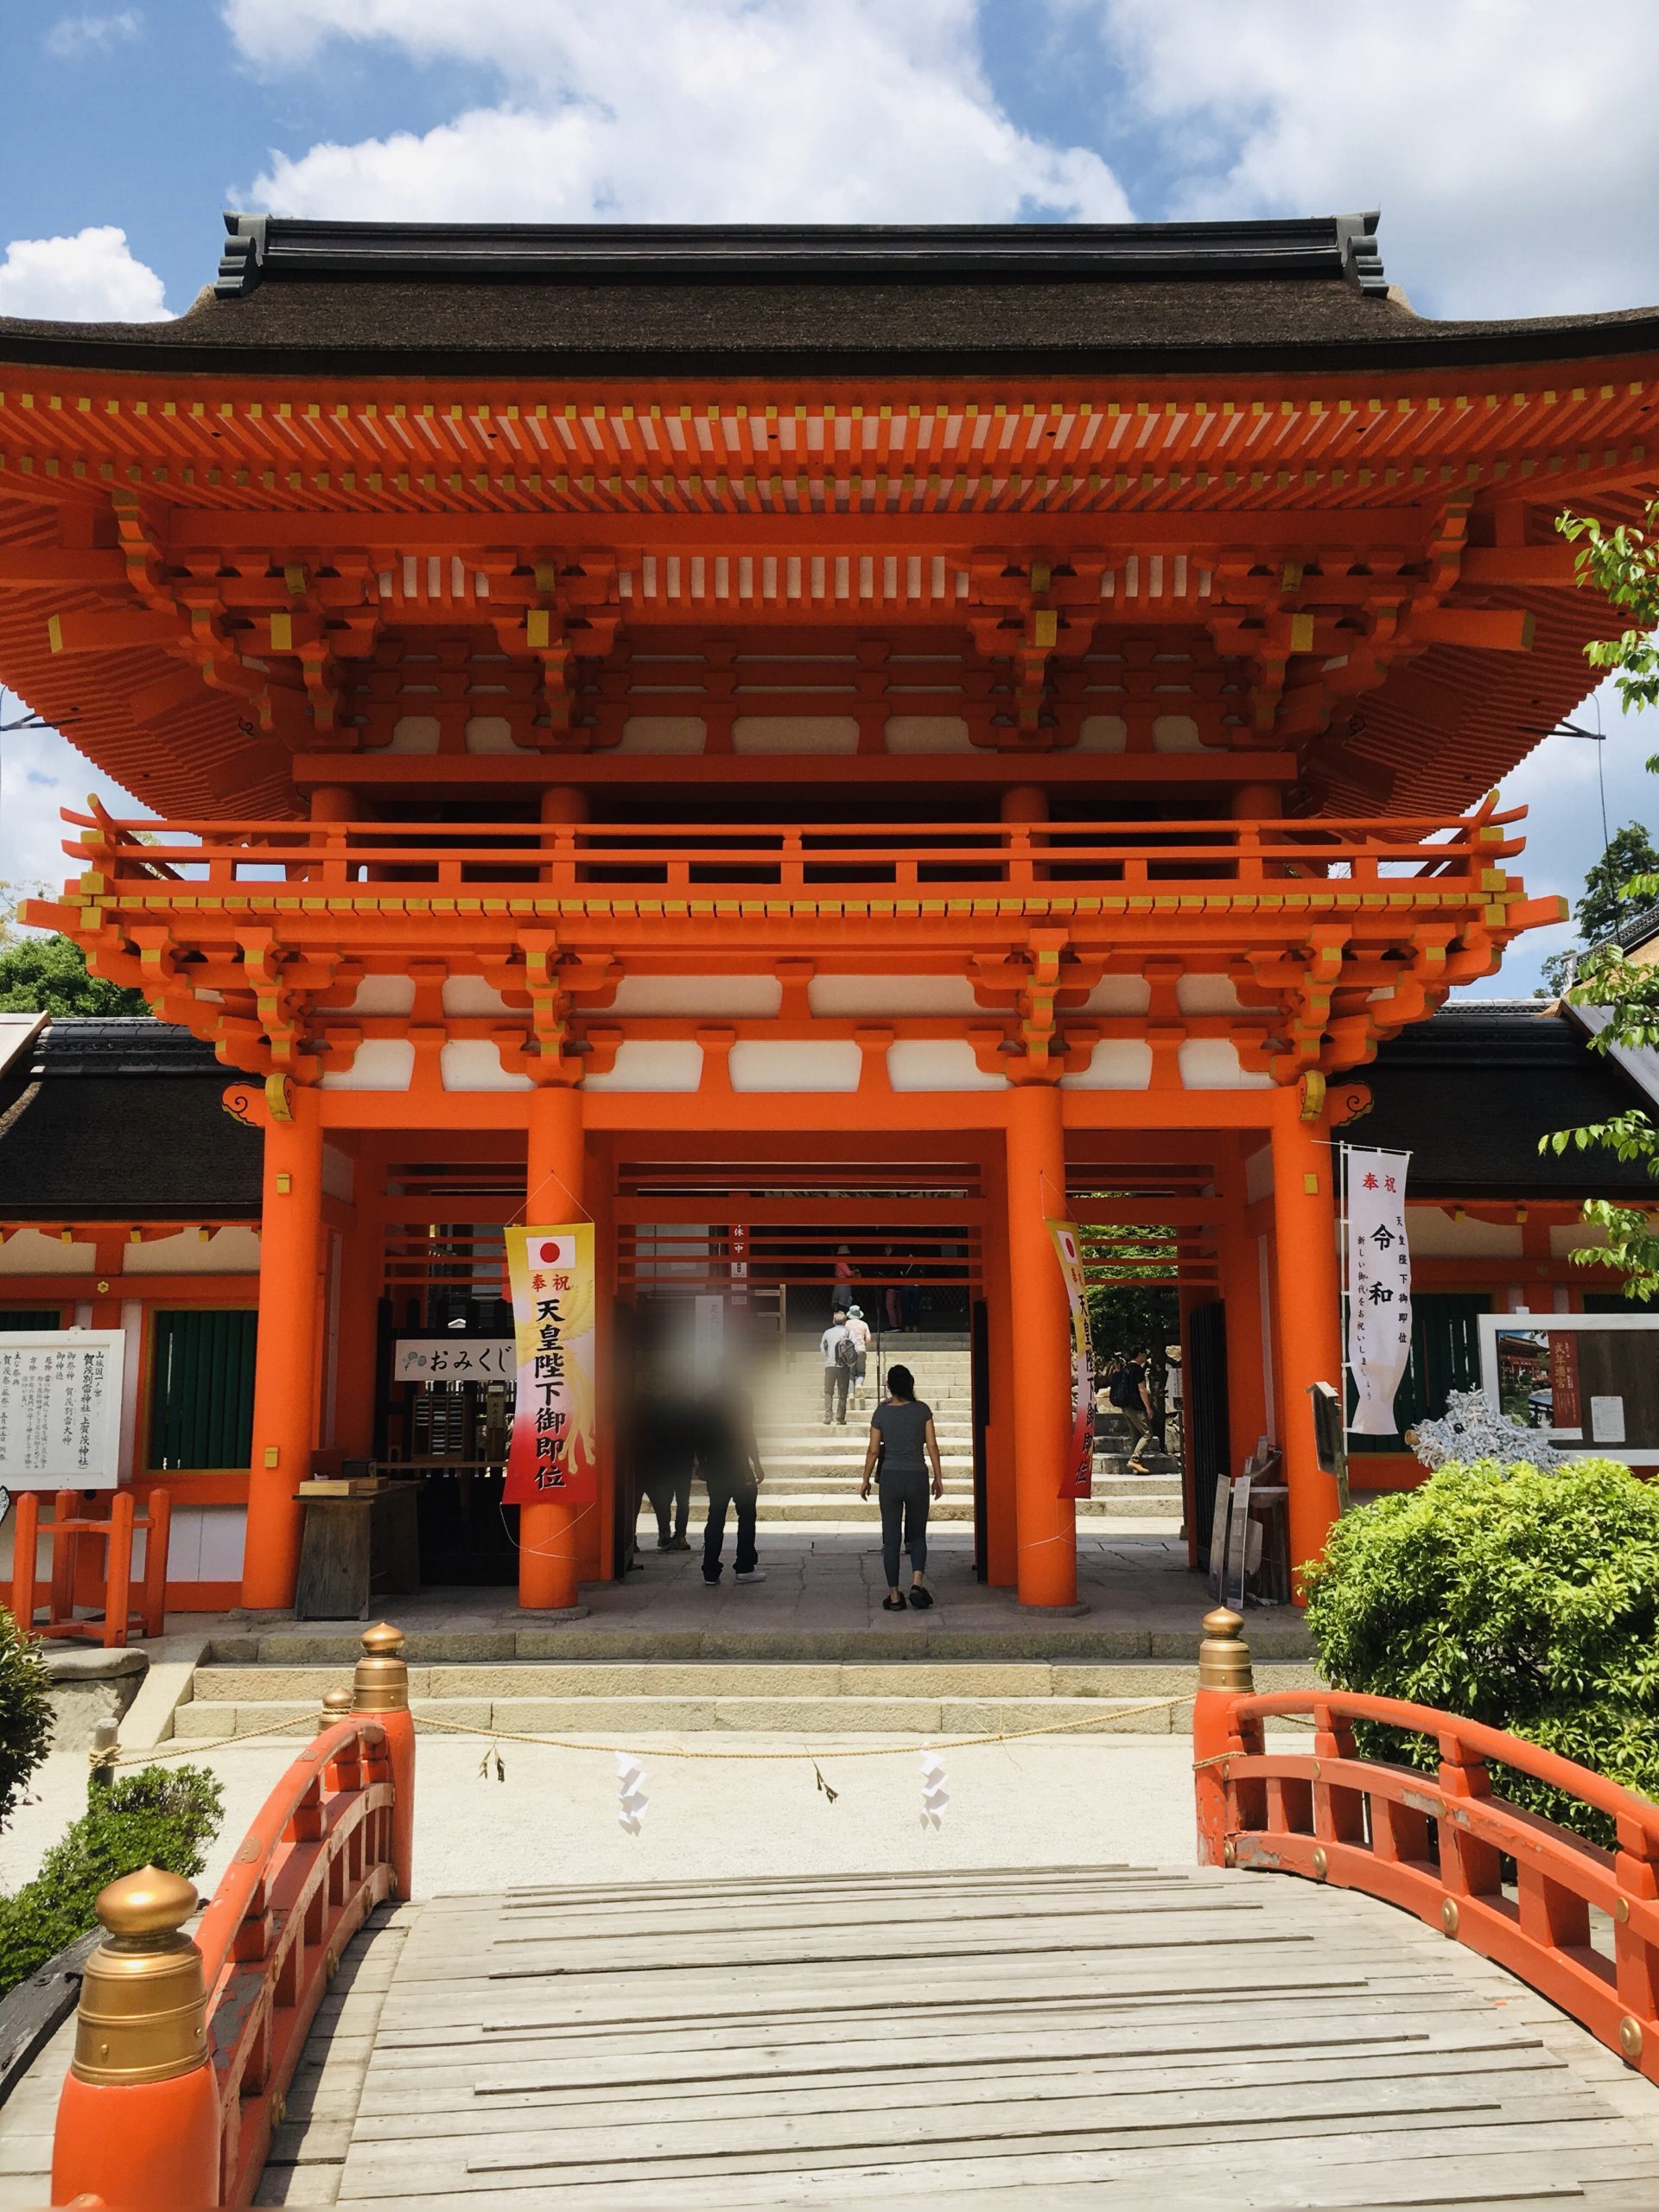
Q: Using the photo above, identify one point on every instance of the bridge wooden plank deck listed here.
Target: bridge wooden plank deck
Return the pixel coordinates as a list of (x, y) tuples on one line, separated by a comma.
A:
[(1127, 2036)]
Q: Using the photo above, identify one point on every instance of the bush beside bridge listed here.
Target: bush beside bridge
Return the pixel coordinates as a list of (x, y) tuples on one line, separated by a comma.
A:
[(1526, 1601)]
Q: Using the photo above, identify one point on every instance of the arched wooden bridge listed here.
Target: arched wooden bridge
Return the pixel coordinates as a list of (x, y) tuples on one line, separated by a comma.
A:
[(1459, 2005)]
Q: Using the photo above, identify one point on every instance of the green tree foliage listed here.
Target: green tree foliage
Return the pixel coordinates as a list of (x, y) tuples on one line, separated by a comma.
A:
[(48, 975), (1607, 899), (156, 1817), (1623, 564), (25, 1712), (1526, 1601), (1129, 1301)]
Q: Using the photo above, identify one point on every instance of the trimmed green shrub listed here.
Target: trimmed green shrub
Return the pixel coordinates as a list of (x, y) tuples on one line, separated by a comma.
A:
[(1524, 1599), (25, 1712), (156, 1817)]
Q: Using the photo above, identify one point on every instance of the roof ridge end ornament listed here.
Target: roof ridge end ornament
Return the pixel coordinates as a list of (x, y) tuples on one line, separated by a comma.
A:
[(1362, 262), (242, 263)]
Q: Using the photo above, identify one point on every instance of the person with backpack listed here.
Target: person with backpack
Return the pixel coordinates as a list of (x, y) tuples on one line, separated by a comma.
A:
[(1128, 1392), (859, 1330), (840, 1351)]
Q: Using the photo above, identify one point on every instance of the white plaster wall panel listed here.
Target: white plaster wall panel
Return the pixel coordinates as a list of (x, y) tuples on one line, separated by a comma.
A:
[(1119, 995), (666, 997), (928, 733), (938, 1064), (184, 1544), (1577, 1237), (43, 1548), (471, 995), (384, 994), (132, 1329), (789, 1066), (1102, 734), (489, 733), (225, 1252), (475, 1064), (1175, 734), (663, 734), (224, 1536), (339, 1176), (379, 1063), (850, 996), (1212, 1063), (795, 734), (1434, 1233), (1207, 994), (643, 1065), (33, 1252), (1115, 1064), (415, 734)]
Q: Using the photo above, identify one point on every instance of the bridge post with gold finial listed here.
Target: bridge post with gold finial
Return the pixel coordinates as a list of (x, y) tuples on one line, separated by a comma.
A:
[(138, 2121), (380, 1686), (1224, 1674)]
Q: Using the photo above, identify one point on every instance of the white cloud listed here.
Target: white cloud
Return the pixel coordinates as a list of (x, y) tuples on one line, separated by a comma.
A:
[(90, 278), (39, 773), (73, 37), (718, 111), (1509, 143)]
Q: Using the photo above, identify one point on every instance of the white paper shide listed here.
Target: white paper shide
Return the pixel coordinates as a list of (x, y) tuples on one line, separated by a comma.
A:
[(1379, 1284)]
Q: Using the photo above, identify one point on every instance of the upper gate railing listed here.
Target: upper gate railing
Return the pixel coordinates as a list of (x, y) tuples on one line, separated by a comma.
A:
[(189, 861), (186, 2048), (1576, 1922)]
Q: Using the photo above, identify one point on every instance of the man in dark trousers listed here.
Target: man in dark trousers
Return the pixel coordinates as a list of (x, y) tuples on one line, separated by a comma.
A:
[(1129, 1396), (728, 1459)]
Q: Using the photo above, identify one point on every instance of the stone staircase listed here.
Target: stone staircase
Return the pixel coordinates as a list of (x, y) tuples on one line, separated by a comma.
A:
[(813, 1470)]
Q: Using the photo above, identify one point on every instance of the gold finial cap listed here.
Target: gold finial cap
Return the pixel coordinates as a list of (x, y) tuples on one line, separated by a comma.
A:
[(152, 1901), (380, 1681), (1224, 1656), (337, 1704)]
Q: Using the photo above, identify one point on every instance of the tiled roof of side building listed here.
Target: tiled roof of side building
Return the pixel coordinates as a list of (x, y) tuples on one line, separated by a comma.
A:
[(1473, 1093), (120, 1118), (602, 297)]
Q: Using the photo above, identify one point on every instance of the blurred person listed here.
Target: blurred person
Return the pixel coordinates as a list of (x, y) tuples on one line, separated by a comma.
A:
[(840, 1359), (728, 1461), (902, 1444), (859, 1330)]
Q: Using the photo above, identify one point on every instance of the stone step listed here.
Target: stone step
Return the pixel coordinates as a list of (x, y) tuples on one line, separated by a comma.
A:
[(851, 1510), (965, 1697)]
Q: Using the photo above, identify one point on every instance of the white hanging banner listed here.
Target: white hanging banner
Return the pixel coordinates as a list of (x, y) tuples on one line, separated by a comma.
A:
[(1379, 1284)]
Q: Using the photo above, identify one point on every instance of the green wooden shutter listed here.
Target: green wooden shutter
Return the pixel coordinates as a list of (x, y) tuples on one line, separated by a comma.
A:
[(1445, 1357), (34, 1317), (201, 1387)]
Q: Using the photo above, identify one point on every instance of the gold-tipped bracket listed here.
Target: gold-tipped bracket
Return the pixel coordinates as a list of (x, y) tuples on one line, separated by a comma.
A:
[(143, 2002), (380, 1683), (1224, 1656)]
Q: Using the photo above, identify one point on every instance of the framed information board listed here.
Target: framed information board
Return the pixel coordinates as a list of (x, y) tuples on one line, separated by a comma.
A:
[(1589, 1381), (60, 1409)]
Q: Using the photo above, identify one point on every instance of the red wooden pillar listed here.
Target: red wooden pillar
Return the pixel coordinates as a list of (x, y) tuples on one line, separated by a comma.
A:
[(284, 1389), (1047, 1559), (1309, 1312), (553, 1180)]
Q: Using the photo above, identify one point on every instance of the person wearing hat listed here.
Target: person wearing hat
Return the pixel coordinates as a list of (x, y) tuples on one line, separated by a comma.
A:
[(859, 1330)]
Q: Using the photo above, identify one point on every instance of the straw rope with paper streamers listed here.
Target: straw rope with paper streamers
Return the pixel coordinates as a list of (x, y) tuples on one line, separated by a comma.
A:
[(631, 1799), (935, 1797)]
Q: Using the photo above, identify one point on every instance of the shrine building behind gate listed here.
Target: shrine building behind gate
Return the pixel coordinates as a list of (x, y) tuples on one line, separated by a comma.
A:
[(786, 739)]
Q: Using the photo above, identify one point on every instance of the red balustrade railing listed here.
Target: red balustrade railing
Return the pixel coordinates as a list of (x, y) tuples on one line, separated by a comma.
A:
[(1575, 1921), (186, 2047), (343, 858)]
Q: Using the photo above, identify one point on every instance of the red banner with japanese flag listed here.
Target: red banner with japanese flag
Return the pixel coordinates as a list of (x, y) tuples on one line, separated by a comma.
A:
[(1379, 1284), (554, 1451), (1077, 1479)]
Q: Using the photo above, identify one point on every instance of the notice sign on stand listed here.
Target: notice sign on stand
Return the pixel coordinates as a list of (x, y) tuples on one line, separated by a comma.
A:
[(1077, 1479), (60, 1409), (554, 1453)]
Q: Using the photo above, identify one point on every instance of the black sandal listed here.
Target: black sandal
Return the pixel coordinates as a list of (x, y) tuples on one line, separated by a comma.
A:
[(919, 1598), (892, 1604)]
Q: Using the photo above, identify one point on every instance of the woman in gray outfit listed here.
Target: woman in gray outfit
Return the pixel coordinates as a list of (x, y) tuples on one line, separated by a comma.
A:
[(902, 1444)]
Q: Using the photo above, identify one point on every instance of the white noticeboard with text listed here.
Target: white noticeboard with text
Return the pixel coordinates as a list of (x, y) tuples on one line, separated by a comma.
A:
[(60, 1409)]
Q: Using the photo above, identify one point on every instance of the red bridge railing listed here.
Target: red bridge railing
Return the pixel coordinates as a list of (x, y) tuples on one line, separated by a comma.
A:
[(1575, 1921), (186, 2047)]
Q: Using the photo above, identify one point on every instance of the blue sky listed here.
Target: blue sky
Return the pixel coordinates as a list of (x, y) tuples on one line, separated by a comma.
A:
[(1483, 129)]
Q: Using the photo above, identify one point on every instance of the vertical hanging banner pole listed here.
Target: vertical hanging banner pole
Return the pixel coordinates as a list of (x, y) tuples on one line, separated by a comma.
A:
[(554, 1450), (1078, 1477), (1377, 1281)]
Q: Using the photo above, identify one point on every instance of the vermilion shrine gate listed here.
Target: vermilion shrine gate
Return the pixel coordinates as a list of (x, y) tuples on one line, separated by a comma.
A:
[(763, 734)]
